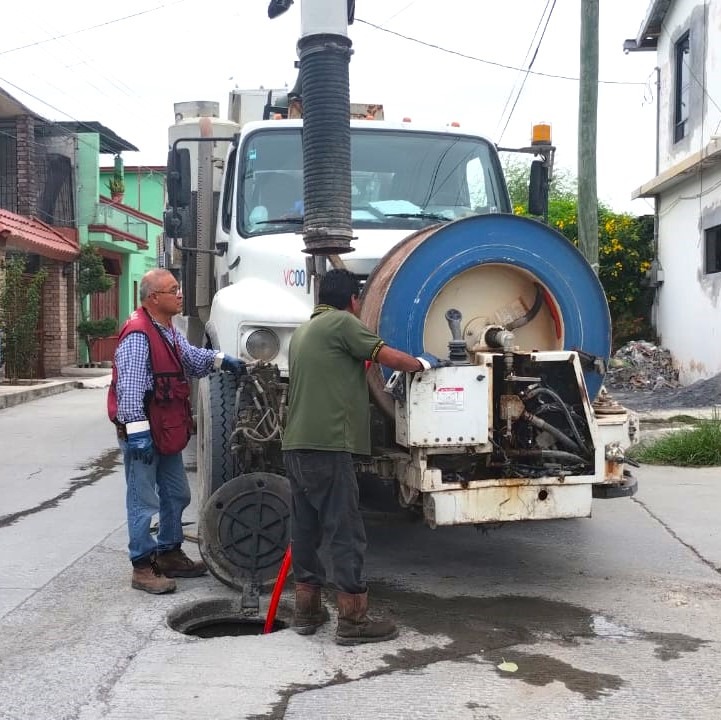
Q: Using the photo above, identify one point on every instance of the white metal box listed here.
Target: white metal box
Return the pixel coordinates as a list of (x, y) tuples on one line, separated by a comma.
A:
[(443, 408)]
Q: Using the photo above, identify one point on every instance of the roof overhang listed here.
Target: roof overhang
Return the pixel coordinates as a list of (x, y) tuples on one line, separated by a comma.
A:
[(110, 142), (34, 236), (650, 30), (690, 166), (12, 108)]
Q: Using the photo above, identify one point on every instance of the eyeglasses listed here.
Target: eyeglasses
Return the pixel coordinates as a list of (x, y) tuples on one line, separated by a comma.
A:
[(176, 291)]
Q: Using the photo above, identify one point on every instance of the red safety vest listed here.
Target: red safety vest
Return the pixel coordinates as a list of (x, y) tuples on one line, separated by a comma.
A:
[(167, 405)]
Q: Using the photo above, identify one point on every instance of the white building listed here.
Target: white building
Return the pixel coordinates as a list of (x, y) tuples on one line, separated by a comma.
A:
[(686, 36)]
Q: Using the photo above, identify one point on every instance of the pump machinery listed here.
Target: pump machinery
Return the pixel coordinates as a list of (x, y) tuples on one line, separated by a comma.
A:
[(515, 427)]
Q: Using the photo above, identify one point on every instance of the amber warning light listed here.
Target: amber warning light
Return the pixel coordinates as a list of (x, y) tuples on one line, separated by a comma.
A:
[(541, 134)]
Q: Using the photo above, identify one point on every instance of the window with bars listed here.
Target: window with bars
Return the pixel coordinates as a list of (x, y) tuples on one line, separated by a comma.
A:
[(712, 254), (8, 168), (682, 87)]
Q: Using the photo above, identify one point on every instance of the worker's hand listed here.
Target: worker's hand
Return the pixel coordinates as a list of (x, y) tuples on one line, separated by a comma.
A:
[(140, 446), (431, 361), (233, 365)]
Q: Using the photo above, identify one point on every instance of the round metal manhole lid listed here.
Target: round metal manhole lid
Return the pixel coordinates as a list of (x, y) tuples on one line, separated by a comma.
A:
[(244, 528)]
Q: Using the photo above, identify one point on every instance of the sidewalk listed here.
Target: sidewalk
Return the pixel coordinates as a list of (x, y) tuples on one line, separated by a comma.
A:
[(11, 395)]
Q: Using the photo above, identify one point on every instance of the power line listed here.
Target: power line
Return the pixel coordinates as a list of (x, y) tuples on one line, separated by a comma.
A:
[(530, 65), (90, 128), (525, 60), (484, 61), (90, 27)]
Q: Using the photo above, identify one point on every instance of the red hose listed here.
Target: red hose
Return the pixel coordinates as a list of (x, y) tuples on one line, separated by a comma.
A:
[(277, 590)]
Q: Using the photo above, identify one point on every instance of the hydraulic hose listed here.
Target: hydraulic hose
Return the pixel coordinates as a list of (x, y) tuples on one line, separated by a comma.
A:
[(277, 590), (558, 434), (525, 319), (551, 393), (547, 455)]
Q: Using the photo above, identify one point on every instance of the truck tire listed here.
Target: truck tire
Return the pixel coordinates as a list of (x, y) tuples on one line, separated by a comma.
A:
[(215, 424)]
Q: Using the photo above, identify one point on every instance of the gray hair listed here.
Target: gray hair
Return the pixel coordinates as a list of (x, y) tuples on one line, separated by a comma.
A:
[(149, 282)]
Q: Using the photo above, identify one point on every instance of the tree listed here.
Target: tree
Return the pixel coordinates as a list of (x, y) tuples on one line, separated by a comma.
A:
[(625, 244), (20, 305), (92, 278)]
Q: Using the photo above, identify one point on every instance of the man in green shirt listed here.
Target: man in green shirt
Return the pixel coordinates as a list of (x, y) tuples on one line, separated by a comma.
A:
[(328, 422)]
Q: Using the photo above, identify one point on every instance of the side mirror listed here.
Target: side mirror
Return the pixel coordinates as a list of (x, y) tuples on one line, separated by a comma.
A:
[(538, 189), (178, 178), (176, 222)]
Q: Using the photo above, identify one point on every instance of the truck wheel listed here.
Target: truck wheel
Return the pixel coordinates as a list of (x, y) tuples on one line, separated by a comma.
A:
[(216, 422)]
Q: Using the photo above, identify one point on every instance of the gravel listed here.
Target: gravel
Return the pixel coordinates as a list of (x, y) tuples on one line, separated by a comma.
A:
[(703, 393)]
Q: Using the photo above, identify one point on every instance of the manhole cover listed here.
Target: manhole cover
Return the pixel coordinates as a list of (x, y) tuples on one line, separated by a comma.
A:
[(218, 617), (244, 528)]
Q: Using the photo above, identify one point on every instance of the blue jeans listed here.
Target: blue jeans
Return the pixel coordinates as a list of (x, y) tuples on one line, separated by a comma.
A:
[(161, 487)]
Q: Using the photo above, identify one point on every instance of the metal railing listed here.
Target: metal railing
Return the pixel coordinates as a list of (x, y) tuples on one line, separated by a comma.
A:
[(118, 219)]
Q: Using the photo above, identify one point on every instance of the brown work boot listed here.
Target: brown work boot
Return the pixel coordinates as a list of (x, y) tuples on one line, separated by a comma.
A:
[(354, 625), (310, 613), (147, 577), (175, 563)]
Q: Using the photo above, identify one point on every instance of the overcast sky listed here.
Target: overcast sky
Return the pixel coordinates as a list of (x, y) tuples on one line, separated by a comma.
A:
[(125, 65)]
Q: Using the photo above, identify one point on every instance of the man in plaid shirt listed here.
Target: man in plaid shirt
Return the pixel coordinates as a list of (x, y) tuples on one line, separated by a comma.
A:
[(156, 482)]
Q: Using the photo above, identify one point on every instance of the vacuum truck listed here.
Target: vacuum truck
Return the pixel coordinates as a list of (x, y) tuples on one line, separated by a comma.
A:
[(515, 427)]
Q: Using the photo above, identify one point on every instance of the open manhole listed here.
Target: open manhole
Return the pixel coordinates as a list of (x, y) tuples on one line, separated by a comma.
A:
[(217, 617)]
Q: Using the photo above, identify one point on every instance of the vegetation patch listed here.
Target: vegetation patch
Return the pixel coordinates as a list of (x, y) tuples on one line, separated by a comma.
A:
[(699, 446)]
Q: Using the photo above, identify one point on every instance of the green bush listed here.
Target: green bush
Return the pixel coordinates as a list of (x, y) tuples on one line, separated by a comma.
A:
[(92, 279), (625, 250), (20, 305)]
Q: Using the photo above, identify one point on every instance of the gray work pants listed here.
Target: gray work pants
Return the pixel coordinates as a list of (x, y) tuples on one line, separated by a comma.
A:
[(325, 507)]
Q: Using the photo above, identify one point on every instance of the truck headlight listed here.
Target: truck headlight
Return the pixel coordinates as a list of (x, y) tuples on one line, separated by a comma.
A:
[(262, 344)]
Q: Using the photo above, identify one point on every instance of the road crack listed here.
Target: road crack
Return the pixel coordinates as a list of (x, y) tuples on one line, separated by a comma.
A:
[(676, 536)]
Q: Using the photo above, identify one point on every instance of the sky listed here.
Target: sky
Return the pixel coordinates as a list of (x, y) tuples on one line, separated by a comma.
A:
[(125, 65)]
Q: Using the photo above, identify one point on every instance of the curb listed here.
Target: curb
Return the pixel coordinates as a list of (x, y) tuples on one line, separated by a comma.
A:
[(17, 397)]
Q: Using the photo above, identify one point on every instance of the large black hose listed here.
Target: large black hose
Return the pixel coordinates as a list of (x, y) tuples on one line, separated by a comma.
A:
[(326, 143)]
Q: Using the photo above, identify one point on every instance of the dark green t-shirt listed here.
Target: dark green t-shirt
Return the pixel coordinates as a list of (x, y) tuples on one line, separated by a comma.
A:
[(328, 406)]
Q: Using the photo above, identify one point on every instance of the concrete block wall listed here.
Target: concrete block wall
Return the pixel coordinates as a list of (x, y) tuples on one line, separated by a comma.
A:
[(26, 166), (59, 313)]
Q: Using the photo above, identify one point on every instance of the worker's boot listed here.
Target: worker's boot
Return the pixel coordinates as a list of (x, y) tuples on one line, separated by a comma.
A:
[(310, 613), (354, 625), (147, 577), (175, 563)]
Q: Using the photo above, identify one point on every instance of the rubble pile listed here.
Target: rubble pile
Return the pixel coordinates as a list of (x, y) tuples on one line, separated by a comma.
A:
[(641, 365)]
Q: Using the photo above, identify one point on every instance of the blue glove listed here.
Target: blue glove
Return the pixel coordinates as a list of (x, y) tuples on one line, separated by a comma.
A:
[(140, 445), (233, 365), (431, 361)]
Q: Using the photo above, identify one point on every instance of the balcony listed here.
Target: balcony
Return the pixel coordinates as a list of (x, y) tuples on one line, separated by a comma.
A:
[(128, 225)]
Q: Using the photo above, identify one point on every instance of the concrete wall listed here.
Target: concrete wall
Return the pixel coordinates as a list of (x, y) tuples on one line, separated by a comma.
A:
[(688, 314)]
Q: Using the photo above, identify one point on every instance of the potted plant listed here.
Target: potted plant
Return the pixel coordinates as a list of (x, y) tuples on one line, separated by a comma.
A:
[(116, 185)]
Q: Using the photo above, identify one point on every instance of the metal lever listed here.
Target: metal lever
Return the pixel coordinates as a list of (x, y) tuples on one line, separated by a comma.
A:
[(457, 351)]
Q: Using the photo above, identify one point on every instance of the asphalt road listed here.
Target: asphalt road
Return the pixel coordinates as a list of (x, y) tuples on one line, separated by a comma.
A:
[(614, 616)]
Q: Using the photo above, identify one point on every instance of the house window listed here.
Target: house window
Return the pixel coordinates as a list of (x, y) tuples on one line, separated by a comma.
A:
[(712, 263), (682, 87)]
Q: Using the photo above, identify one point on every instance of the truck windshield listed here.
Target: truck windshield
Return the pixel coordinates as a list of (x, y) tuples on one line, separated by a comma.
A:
[(400, 179)]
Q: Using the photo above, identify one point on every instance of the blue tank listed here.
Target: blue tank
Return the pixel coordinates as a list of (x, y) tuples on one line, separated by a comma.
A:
[(475, 263)]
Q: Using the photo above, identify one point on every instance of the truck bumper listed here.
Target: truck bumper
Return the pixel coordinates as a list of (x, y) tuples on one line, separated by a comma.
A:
[(506, 504)]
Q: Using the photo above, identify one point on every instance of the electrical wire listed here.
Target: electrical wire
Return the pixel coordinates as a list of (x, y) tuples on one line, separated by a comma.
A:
[(530, 65), (59, 127), (90, 27), (525, 60), (484, 61)]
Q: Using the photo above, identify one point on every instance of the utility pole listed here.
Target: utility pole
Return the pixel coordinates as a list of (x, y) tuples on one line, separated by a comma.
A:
[(587, 131)]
